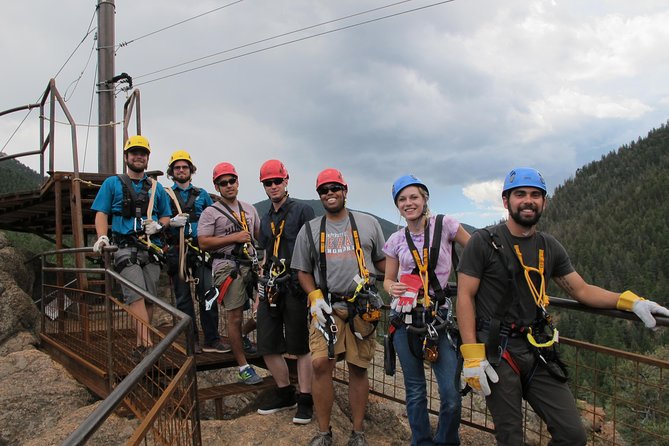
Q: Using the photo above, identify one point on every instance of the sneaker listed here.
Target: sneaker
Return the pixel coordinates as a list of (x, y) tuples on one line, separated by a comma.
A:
[(283, 399), (249, 348), (197, 349), (305, 409), (357, 439), (217, 347), (249, 376), (322, 439)]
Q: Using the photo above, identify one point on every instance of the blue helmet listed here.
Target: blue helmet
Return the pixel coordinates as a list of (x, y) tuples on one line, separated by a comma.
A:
[(524, 177), (406, 181)]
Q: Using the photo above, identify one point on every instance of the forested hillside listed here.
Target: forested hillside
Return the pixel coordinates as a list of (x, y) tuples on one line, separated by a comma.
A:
[(613, 219), (18, 177)]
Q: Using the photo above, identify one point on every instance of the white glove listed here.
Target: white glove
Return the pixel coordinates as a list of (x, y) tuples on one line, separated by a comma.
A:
[(179, 220), (151, 227), (645, 309), (405, 303), (102, 241), (476, 368), (318, 307)]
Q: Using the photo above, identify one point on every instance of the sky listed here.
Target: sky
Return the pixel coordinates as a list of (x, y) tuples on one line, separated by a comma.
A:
[(457, 93)]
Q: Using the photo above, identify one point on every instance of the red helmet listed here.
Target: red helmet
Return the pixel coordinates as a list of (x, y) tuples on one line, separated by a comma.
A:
[(273, 169), (330, 176), (224, 169)]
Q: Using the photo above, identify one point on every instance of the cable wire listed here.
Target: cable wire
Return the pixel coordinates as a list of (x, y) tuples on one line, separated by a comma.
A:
[(126, 43), (278, 45), (88, 31), (272, 38), (76, 81)]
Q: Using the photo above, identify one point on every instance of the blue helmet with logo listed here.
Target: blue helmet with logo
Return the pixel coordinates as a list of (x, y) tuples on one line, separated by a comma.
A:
[(406, 181), (524, 177)]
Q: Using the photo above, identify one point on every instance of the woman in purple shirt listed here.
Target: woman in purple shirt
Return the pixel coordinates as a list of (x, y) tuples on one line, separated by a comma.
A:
[(418, 263)]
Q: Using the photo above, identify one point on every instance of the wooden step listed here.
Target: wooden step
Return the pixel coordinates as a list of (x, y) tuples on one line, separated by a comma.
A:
[(217, 393)]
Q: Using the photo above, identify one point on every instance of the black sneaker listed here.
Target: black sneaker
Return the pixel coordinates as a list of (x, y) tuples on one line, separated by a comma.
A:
[(249, 348), (216, 347), (305, 409), (283, 399)]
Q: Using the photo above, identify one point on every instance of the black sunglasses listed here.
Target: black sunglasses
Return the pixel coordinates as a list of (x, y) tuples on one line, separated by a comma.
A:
[(224, 183), (273, 181), (324, 190)]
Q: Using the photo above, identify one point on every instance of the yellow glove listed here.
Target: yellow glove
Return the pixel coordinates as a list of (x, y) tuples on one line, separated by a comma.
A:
[(317, 306), (476, 369), (644, 309)]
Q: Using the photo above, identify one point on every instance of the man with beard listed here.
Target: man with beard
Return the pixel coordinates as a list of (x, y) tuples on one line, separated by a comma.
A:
[(509, 342), (187, 264), (332, 255), (227, 230), (127, 198), (282, 310)]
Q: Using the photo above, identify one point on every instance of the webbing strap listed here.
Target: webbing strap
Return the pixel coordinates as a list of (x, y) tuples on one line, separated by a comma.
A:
[(540, 297), (239, 218), (421, 264), (136, 204), (322, 278)]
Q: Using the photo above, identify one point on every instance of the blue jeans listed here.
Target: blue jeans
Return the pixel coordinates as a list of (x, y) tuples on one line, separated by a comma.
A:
[(444, 370), (184, 299)]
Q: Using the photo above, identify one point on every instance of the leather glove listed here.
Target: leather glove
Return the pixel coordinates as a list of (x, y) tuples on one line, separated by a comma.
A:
[(102, 241), (644, 309), (318, 307), (179, 220), (405, 303), (476, 368), (151, 227)]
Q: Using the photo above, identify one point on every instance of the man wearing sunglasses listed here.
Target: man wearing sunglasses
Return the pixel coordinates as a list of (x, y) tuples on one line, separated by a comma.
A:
[(282, 310), (227, 230), (335, 256), (509, 342), (188, 203)]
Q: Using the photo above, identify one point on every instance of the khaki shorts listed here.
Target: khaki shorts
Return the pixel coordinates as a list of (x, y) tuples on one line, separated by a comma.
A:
[(144, 277), (236, 295), (348, 347)]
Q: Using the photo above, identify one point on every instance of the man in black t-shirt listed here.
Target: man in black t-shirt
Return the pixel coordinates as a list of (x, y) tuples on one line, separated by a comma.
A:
[(507, 335)]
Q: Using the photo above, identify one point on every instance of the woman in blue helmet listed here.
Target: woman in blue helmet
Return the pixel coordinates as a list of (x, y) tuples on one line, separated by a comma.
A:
[(418, 264)]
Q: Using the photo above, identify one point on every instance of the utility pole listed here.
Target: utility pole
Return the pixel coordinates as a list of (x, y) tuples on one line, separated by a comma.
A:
[(106, 105)]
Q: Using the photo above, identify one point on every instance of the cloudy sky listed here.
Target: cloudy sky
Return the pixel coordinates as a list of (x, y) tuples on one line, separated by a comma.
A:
[(456, 92)]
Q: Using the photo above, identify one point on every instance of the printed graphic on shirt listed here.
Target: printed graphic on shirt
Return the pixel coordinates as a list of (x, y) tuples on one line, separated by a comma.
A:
[(339, 244)]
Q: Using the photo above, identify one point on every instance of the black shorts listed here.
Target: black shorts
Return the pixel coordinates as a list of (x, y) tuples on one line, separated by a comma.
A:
[(285, 328)]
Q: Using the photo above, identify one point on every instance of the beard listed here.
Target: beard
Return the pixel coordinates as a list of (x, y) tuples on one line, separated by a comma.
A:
[(182, 180), (135, 168), (524, 221)]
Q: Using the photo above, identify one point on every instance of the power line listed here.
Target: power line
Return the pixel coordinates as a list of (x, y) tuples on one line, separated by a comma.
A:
[(88, 31), (278, 45), (271, 38), (126, 43)]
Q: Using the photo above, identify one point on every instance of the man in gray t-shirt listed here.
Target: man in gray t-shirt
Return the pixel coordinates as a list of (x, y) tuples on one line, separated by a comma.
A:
[(341, 234)]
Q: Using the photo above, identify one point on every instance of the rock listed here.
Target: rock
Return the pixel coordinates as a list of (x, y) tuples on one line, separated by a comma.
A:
[(35, 392), (23, 340), (13, 263), (17, 311)]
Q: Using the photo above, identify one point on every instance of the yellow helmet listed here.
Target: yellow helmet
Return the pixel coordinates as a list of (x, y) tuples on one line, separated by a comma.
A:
[(180, 155), (137, 141)]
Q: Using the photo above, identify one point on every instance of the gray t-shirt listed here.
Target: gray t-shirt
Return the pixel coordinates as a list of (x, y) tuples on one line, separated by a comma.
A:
[(214, 223), (342, 263)]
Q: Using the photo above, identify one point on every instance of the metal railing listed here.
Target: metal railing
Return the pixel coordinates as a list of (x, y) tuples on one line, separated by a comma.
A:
[(622, 396), (98, 333)]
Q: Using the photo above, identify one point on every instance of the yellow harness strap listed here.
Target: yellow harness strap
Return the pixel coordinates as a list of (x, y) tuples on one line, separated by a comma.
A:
[(277, 236), (540, 297)]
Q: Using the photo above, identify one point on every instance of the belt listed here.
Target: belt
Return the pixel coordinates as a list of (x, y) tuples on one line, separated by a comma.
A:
[(512, 330)]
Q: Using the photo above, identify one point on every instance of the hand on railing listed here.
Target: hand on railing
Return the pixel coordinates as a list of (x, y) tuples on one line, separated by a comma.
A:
[(102, 241)]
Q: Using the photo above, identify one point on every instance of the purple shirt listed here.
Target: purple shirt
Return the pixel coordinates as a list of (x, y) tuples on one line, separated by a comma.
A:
[(397, 248)]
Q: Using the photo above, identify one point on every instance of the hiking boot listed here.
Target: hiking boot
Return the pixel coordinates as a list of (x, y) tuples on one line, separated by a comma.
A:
[(322, 439), (283, 399), (357, 439), (249, 348), (216, 347), (249, 376), (305, 409)]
